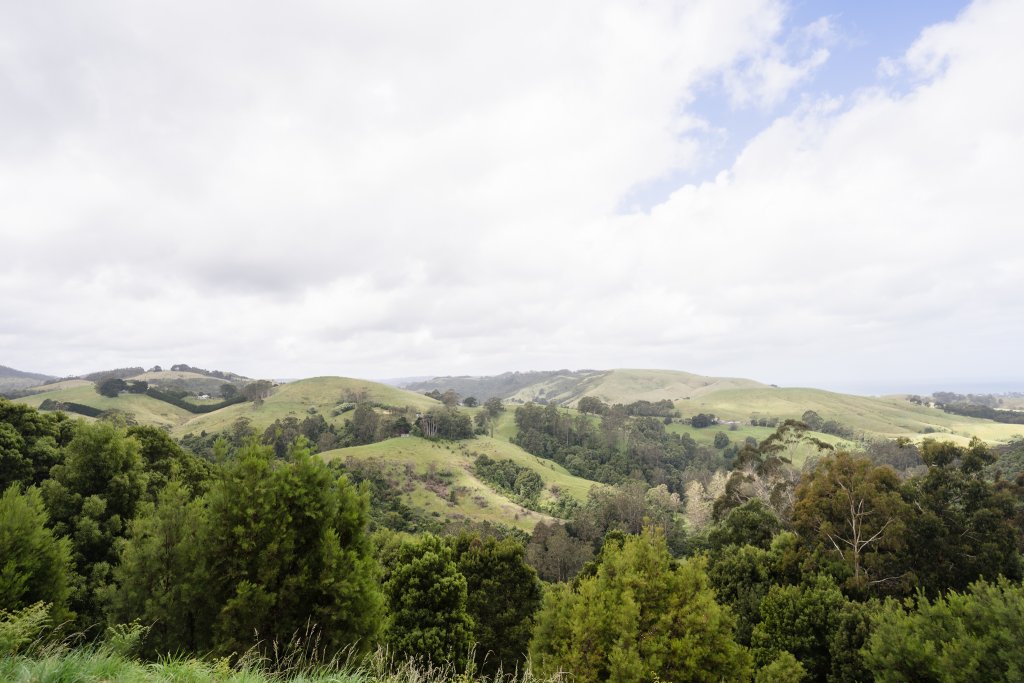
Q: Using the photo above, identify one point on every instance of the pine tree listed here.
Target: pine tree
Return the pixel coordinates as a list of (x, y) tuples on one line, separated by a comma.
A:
[(35, 566)]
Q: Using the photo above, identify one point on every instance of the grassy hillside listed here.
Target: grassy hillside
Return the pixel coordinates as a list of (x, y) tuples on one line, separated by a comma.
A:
[(322, 394), (411, 460), (145, 409), (627, 386), (887, 417), (295, 399), (63, 384)]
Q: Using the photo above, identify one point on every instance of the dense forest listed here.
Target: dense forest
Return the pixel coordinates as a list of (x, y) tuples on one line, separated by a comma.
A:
[(134, 556)]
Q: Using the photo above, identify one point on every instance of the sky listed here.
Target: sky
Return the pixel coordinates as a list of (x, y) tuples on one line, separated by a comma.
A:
[(806, 193)]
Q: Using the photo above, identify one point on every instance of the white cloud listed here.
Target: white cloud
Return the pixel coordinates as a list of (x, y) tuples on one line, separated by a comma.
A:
[(384, 189)]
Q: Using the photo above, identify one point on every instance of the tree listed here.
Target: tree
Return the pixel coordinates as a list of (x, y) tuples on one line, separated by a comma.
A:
[(228, 391), (970, 636), (450, 398), (805, 620), (35, 565), (470, 402), (701, 420), (752, 523), (160, 578), (555, 554), (138, 387), (164, 460), (592, 404), (445, 423), (503, 593), (851, 508), (640, 617), (111, 387), (286, 547), (30, 443), (427, 603), (813, 421), (494, 407), (364, 423), (91, 497), (964, 526), (258, 390), (721, 440)]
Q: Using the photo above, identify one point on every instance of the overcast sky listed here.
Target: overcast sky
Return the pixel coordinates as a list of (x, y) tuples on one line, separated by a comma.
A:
[(796, 192)]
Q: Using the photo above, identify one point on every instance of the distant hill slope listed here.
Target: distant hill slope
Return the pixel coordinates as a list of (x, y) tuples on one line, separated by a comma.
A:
[(566, 387), (492, 386), (192, 382), (409, 459), (321, 394), (885, 417), (627, 386), (146, 410), (14, 380)]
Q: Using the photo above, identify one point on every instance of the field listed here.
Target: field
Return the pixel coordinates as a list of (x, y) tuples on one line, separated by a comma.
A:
[(474, 499)]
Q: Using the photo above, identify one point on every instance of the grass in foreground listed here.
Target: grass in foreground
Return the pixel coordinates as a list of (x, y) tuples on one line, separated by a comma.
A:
[(100, 664)]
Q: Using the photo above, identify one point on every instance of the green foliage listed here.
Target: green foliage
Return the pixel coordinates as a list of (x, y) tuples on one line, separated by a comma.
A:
[(783, 669), (30, 443), (21, 627), (972, 636), (35, 566), (555, 554), (427, 603), (752, 523), (854, 510), (111, 387), (91, 498), (640, 617), (804, 620), (522, 482), (503, 595), (286, 549), (965, 527), (165, 460), (446, 423), (160, 578), (742, 576)]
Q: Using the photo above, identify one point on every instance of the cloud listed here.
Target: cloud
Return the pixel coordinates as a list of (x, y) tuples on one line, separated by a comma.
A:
[(384, 189)]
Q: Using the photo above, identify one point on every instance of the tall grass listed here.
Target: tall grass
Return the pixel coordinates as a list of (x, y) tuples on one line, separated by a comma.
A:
[(31, 652), (88, 664)]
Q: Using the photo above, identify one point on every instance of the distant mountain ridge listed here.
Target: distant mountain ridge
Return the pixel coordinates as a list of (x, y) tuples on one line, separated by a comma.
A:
[(10, 373), (14, 381)]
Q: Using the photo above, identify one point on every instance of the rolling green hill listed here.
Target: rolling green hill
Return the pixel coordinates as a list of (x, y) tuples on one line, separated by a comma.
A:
[(146, 410), (430, 471), (295, 399), (627, 386), (885, 417), (321, 394)]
